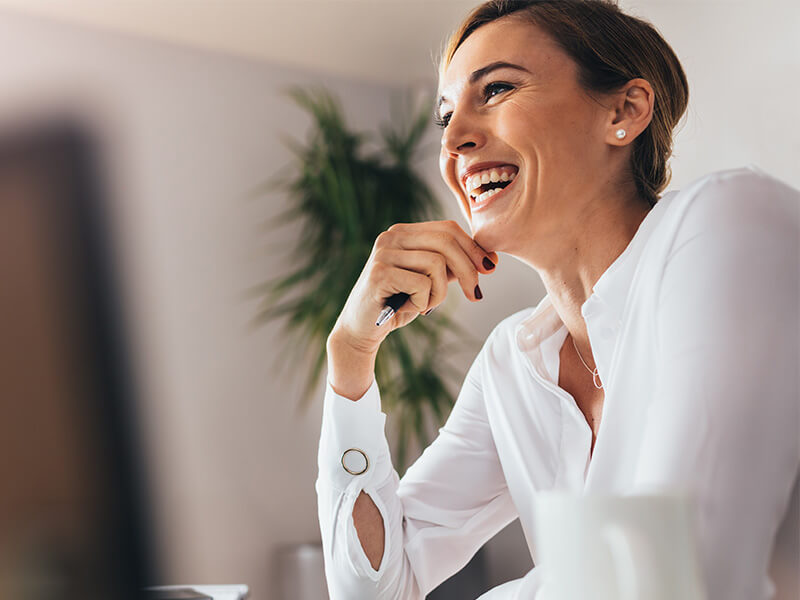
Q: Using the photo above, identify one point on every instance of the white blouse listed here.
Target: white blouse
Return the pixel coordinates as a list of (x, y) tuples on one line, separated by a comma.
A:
[(695, 330)]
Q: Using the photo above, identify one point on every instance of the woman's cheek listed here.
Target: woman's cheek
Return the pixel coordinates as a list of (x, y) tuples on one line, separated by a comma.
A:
[(447, 167), (444, 165)]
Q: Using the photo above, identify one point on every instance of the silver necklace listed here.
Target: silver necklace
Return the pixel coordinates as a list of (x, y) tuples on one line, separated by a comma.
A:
[(595, 375)]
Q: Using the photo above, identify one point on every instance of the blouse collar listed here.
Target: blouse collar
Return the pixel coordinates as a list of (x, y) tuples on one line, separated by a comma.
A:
[(609, 293)]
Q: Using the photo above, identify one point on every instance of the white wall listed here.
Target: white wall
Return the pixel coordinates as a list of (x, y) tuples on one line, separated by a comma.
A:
[(742, 59)]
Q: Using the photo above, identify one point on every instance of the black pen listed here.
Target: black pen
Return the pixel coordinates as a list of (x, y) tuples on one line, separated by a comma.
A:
[(394, 302)]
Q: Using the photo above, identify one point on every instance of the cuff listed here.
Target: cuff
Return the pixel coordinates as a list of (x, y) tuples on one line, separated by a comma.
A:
[(353, 444)]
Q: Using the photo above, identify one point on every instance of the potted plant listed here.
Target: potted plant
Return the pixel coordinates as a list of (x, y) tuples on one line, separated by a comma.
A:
[(345, 194)]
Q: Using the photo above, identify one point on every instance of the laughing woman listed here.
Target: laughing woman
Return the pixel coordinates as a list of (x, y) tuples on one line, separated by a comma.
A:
[(664, 355)]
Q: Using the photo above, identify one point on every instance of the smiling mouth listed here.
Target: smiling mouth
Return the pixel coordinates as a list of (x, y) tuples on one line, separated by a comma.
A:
[(483, 185)]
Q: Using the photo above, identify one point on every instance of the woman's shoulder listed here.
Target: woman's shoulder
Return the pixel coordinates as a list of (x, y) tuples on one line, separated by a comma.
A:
[(732, 188), (729, 200), (747, 172)]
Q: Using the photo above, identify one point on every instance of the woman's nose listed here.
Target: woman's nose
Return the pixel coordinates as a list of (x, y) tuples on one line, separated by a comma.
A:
[(462, 135)]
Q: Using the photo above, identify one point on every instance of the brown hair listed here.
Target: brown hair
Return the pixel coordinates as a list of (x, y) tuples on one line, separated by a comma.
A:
[(610, 48)]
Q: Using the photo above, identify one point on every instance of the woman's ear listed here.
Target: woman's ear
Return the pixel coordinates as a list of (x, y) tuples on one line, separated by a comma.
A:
[(632, 111)]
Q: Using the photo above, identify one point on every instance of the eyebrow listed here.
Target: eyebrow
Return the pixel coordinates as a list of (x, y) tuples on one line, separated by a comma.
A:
[(483, 72)]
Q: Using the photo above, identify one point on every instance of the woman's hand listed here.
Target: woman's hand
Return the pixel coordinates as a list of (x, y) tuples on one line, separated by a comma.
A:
[(419, 259)]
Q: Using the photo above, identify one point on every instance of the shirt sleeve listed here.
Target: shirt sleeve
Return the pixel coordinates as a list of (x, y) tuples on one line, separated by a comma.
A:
[(724, 424), (449, 503)]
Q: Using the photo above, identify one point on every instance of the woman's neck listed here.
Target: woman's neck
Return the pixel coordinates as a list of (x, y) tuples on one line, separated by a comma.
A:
[(571, 266)]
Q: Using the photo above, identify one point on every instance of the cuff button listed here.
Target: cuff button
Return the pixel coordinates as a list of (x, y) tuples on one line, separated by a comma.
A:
[(355, 461)]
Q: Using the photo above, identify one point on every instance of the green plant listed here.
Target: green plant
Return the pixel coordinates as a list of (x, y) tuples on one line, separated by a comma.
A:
[(345, 195)]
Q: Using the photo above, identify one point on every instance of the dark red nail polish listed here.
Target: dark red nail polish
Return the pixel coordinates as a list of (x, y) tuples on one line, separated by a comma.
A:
[(478, 293), (429, 311), (487, 263)]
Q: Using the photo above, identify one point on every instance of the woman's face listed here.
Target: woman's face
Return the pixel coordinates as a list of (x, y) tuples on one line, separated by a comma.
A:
[(512, 104)]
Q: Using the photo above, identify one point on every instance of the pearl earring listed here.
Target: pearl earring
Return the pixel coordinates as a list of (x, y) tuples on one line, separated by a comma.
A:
[(621, 133)]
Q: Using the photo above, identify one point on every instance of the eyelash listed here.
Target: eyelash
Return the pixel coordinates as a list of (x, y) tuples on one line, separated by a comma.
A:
[(443, 120)]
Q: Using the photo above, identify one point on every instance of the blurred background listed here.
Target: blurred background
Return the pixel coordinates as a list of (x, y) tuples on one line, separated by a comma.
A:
[(186, 101)]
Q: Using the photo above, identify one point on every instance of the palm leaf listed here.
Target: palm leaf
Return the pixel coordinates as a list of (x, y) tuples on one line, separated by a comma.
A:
[(343, 195)]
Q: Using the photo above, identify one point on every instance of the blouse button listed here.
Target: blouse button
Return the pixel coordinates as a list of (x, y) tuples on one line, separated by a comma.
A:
[(355, 461)]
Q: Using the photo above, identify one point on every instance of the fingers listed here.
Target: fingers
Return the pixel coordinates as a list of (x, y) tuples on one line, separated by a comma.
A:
[(478, 255), (457, 261), (416, 285), (431, 264), (418, 259), (464, 259), (450, 229)]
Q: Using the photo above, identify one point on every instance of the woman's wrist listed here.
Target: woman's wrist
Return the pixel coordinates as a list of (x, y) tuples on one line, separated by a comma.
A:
[(350, 368)]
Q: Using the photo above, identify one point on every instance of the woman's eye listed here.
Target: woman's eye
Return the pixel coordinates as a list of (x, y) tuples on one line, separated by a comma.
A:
[(495, 88), (489, 91), (443, 120)]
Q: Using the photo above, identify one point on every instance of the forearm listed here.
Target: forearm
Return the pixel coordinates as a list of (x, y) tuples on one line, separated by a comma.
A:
[(350, 369), (369, 526), (362, 518), (350, 373), (362, 532), (350, 572)]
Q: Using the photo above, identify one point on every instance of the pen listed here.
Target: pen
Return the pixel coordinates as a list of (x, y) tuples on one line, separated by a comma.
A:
[(394, 302)]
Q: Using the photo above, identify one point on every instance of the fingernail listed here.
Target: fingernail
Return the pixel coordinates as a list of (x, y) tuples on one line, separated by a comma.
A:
[(487, 263), (430, 310), (478, 293)]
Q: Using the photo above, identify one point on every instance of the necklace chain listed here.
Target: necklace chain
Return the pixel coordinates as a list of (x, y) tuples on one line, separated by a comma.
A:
[(595, 375)]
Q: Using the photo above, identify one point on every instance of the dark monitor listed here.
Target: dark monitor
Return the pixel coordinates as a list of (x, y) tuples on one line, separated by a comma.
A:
[(71, 519)]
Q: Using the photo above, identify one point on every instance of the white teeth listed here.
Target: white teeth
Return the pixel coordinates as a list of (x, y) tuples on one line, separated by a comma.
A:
[(487, 195), (474, 182)]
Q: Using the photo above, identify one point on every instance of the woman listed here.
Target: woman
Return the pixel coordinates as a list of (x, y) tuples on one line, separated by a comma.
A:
[(671, 321)]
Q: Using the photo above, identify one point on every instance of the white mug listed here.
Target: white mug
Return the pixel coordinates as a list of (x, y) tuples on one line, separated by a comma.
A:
[(616, 547)]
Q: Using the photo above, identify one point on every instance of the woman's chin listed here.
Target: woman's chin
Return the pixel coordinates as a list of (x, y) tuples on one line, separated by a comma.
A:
[(489, 234), (500, 226), (491, 222)]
